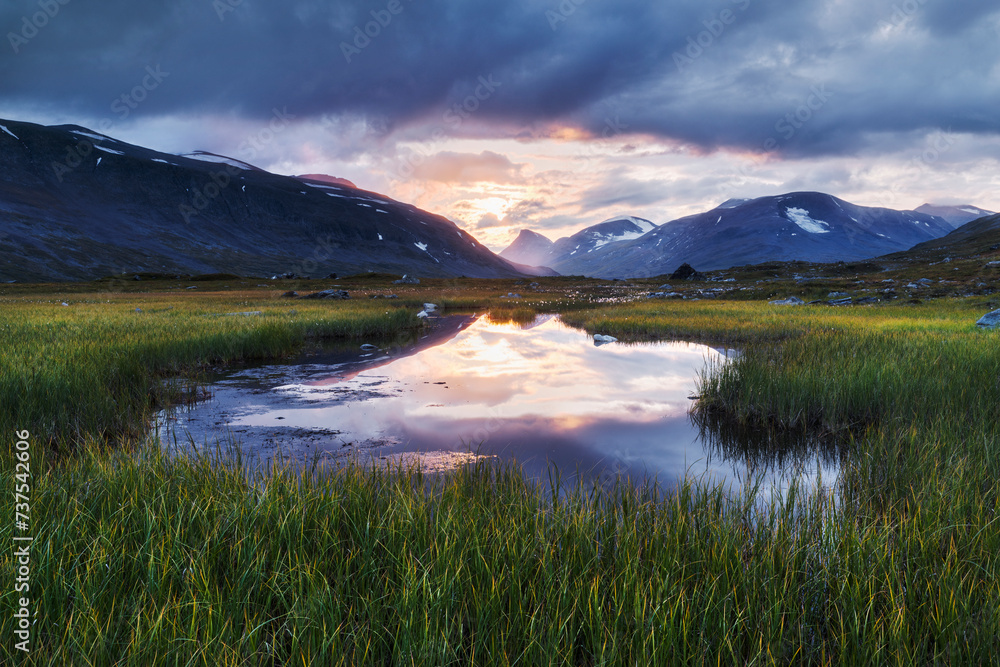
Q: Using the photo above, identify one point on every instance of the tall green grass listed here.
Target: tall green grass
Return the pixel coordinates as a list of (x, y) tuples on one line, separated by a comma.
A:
[(141, 558), (94, 367), (151, 560)]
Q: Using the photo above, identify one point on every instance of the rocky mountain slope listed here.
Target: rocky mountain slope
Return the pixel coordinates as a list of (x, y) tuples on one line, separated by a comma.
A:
[(806, 226), (571, 252), (956, 216), (75, 204)]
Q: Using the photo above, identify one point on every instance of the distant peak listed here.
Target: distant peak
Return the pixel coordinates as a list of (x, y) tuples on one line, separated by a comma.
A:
[(732, 203)]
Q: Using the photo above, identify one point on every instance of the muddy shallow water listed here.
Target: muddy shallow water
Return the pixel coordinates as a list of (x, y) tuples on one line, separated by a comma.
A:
[(540, 394)]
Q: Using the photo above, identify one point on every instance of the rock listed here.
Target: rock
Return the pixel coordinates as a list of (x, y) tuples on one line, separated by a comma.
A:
[(248, 313), (369, 347), (138, 310), (511, 295), (430, 307), (840, 302), (423, 315), (332, 276), (290, 295), (992, 263), (834, 295), (192, 287), (990, 320), (64, 303), (600, 339), (665, 295), (866, 299), (686, 272), (406, 280), (666, 288), (328, 294), (383, 296), (926, 281), (790, 301), (536, 285)]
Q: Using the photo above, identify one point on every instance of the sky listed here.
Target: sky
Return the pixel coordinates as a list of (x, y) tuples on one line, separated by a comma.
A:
[(551, 115)]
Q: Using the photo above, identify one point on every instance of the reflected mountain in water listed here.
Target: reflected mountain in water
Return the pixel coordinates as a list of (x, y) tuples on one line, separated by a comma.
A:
[(539, 393)]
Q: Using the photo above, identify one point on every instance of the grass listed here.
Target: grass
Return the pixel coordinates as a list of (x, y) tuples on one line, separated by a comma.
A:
[(144, 559)]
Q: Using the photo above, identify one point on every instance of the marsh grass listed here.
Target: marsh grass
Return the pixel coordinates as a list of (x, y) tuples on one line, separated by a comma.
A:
[(142, 558)]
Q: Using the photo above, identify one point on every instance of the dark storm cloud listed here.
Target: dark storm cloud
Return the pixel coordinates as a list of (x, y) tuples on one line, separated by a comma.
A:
[(800, 77)]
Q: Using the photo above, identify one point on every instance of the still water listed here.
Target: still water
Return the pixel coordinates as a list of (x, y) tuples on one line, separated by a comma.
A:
[(542, 394)]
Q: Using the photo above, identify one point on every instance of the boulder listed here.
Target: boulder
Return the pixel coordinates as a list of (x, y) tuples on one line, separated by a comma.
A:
[(430, 307), (600, 339), (290, 295), (790, 301), (990, 320), (407, 280), (328, 294), (368, 347), (686, 272), (511, 295)]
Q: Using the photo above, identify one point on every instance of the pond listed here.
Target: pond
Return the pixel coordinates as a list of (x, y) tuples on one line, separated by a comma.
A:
[(540, 393)]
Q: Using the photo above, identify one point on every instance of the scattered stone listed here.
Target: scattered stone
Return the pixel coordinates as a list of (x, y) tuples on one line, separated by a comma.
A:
[(790, 301), (406, 280), (64, 303), (332, 276), (328, 294), (536, 285), (990, 320), (138, 310), (136, 277), (600, 339), (867, 299), (840, 302), (368, 347), (992, 263), (248, 313), (686, 272), (290, 295), (423, 315), (192, 287), (511, 295), (665, 295), (430, 307), (383, 296), (913, 286), (926, 281), (834, 295), (665, 288)]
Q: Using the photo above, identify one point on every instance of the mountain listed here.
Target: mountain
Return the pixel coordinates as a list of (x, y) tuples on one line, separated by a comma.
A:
[(571, 252), (806, 226), (75, 204), (979, 237), (956, 216), (325, 179), (528, 248)]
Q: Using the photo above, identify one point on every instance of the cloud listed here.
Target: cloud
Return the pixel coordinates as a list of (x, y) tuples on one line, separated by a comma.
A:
[(466, 168), (716, 74)]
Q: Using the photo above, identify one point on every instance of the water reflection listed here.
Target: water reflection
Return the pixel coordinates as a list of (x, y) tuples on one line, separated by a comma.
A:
[(541, 393)]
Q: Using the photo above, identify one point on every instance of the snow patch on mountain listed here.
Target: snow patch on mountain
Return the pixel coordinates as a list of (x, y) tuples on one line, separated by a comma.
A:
[(8, 132), (801, 217)]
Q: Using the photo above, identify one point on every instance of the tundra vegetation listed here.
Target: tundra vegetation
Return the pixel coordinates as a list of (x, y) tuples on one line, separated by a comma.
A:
[(143, 558)]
